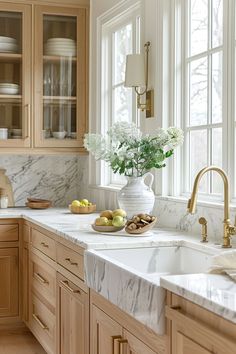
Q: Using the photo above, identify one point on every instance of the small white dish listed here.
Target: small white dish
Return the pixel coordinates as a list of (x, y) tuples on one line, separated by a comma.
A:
[(59, 135), (4, 39), (73, 135), (3, 133), (16, 132)]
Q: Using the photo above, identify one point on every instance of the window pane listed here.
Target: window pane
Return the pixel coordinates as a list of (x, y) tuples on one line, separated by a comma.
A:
[(217, 23), (198, 156), (198, 92), (217, 88), (216, 159), (199, 26), (122, 47), (122, 104)]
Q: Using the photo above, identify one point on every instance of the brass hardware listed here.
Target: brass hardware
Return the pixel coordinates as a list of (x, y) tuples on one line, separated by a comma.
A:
[(70, 261), (202, 221), (67, 286), (123, 346), (228, 229), (37, 319), (116, 344), (44, 244), (40, 278)]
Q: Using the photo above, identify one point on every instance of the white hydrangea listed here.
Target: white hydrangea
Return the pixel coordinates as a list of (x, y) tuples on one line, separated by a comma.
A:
[(96, 144), (176, 137), (123, 131)]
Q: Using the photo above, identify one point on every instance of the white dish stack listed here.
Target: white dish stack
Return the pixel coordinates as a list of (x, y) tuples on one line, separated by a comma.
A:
[(8, 45), (60, 47), (9, 89)]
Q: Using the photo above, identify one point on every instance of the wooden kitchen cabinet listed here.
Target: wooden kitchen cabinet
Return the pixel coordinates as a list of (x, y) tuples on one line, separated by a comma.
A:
[(9, 273), (15, 74), (197, 331), (105, 332), (44, 75), (114, 332), (72, 318), (25, 273)]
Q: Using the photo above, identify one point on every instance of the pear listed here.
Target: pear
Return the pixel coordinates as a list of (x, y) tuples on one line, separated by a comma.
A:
[(107, 214), (119, 212), (102, 221)]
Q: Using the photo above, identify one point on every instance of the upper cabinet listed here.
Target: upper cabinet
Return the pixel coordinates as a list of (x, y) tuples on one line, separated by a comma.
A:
[(60, 82), (43, 76), (15, 75)]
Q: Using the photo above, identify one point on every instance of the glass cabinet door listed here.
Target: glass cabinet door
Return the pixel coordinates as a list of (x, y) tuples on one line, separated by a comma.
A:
[(61, 82), (15, 64)]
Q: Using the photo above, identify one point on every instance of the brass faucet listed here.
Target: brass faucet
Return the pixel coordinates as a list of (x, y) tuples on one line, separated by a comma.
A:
[(228, 229)]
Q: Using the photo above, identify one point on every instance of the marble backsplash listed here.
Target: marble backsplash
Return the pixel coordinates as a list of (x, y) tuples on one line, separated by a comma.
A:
[(58, 178)]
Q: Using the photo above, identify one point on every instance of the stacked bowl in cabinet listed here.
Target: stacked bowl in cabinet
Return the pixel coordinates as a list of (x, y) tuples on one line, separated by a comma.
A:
[(60, 47), (8, 45), (9, 88)]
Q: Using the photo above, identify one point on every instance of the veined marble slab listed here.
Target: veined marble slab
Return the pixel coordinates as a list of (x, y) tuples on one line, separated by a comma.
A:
[(216, 293)]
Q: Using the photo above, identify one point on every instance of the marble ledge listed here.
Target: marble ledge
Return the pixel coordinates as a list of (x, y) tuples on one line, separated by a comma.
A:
[(216, 293)]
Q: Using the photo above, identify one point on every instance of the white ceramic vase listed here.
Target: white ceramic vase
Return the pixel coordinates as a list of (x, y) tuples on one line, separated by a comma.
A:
[(136, 196)]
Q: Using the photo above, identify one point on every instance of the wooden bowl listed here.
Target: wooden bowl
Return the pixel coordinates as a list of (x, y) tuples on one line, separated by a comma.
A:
[(37, 205), (141, 230), (106, 228), (82, 209)]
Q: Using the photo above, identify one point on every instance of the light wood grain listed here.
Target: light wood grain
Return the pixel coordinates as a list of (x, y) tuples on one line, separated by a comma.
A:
[(73, 318), (19, 343), (9, 272), (44, 243), (9, 233), (70, 260)]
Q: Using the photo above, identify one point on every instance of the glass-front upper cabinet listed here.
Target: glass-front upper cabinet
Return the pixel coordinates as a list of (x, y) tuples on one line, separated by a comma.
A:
[(60, 83), (15, 78)]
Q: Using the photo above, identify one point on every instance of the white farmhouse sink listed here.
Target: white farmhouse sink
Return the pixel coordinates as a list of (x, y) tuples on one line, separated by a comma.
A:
[(130, 278), (161, 260)]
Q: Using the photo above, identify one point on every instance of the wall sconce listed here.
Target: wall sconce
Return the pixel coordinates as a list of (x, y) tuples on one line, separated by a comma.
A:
[(136, 76)]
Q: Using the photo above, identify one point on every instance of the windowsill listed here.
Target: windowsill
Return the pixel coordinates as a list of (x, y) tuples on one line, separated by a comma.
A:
[(181, 200)]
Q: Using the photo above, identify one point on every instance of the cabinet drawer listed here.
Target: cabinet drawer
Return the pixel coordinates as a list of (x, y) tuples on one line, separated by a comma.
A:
[(26, 233), (71, 260), (9, 232), (44, 243), (43, 279), (43, 325)]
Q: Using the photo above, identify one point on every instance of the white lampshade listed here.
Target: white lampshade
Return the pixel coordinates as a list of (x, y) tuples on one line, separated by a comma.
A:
[(135, 70)]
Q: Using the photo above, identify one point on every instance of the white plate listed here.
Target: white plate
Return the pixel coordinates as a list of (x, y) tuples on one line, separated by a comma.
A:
[(16, 137), (4, 84), (60, 54), (4, 39), (8, 46), (59, 47), (69, 40), (9, 91), (122, 233)]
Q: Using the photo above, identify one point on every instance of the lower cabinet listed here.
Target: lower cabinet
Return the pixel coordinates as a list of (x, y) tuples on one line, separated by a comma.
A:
[(72, 318), (195, 330), (9, 280), (110, 337)]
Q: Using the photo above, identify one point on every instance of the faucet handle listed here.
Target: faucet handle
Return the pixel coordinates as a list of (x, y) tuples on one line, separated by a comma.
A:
[(202, 221)]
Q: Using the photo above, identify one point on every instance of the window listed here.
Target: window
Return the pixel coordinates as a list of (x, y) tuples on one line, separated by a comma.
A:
[(120, 36), (207, 95)]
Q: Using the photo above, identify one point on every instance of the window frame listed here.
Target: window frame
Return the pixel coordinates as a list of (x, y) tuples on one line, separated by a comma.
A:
[(107, 25), (180, 17)]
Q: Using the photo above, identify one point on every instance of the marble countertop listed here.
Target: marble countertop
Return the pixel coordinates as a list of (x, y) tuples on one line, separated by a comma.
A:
[(216, 293)]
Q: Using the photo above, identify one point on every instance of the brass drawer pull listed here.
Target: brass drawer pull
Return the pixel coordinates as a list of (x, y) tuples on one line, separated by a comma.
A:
[(65, 283), (70, 261), (123, 346), (40, 278), (116, 344), (44, 244), (42, 325)]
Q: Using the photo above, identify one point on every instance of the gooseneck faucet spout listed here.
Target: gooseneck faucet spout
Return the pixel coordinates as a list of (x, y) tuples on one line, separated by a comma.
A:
[(229, 230)]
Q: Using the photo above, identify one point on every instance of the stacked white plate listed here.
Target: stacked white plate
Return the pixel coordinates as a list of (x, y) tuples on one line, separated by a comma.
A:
[(8, 45), (9, 89), (60, 47)]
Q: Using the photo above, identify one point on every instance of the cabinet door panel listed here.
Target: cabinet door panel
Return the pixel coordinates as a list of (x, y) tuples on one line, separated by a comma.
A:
[(186, 346), (135, 346), (73, 315), (9, 282), (15, 74), (103, 330)]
